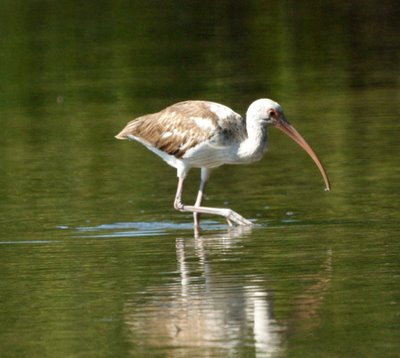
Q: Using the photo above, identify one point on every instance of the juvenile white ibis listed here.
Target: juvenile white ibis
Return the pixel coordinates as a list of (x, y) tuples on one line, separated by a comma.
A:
[(206, 135)]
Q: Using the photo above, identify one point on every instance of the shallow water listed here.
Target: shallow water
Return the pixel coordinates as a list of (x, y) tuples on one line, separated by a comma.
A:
[(94, 261)]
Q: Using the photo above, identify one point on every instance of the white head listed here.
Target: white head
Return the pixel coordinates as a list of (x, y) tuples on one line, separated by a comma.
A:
[(263, 112)]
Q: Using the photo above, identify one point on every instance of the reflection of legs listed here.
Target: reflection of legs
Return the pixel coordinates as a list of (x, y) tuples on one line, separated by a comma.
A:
[(228, 214)]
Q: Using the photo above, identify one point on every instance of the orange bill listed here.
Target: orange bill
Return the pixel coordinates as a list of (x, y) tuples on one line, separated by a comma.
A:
[(288, 129)]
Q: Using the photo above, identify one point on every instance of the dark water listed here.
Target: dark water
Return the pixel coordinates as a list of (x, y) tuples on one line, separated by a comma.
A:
[(94, 261)]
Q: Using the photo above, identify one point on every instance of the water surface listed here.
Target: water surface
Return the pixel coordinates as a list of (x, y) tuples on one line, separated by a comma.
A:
[(95, 262)]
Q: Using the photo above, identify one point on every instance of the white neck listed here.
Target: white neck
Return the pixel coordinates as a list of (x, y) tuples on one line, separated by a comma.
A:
[(254, 146)]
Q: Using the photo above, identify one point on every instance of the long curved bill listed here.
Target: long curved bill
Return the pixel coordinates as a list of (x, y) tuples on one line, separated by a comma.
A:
[(288, 129)]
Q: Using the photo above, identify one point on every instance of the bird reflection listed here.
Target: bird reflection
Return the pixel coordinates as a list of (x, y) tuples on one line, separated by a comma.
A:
[(207, 312)]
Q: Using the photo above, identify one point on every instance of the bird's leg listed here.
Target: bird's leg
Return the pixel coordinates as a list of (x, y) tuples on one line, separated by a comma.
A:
[(230, 215), (196, 215), (178, 205), (205, 174)]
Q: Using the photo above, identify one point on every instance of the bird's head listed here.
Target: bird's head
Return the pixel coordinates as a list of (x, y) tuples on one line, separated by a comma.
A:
[(267, 112)]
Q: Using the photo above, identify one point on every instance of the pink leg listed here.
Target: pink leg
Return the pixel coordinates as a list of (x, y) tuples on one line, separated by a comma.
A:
[(196, 215), (230, 215), (205, 174)]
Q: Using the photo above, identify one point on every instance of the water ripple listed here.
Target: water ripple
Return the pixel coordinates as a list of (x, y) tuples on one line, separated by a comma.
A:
[(137, 229)]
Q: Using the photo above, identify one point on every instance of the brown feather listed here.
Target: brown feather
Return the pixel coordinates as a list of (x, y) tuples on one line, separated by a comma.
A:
[(176, 129)]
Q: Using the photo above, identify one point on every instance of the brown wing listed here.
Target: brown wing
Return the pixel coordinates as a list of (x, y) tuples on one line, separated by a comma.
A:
[(175, 129)]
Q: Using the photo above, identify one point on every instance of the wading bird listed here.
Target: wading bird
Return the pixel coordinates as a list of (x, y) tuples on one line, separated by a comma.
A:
[(206, 135)]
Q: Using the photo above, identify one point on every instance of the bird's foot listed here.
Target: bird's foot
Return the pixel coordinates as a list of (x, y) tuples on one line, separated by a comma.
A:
[(233, 217)]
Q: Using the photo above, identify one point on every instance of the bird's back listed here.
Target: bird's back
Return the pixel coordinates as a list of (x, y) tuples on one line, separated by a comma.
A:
[(185, 125)]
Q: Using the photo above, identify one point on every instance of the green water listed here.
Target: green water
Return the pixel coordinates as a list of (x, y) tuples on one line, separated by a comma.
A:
[(94, 261)]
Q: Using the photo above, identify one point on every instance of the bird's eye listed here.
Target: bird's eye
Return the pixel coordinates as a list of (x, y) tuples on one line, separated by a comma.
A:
[(271, 113)]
